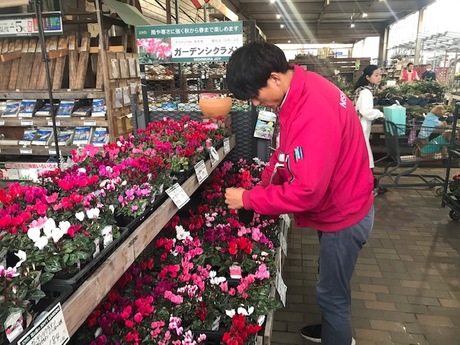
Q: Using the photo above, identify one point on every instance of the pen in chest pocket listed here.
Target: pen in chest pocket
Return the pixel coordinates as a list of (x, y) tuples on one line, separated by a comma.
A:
[(298, 153)]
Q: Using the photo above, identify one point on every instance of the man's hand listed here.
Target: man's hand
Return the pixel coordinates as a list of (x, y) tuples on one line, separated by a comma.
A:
[(234, 198)]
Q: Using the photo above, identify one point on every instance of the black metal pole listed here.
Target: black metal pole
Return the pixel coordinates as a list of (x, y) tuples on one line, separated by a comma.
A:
[(41, 34)]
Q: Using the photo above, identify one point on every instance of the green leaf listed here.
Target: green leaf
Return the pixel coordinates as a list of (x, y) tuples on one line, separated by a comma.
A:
[(36, 295), (53, 265), (46, 277)]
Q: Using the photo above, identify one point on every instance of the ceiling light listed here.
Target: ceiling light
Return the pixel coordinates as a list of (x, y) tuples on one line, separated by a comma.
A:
[(282, 26), (289, 41), (278, 16), (272, 1), (352, 25), (364, 14)]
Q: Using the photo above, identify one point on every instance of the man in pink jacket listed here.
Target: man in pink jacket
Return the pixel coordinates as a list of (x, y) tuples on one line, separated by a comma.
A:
[(320, 173)]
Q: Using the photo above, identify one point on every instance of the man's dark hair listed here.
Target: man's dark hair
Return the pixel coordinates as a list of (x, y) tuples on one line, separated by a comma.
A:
[(410, 64), (250, 67)]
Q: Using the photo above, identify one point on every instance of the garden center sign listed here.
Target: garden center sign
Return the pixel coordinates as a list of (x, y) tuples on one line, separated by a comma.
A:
[(203, 42)]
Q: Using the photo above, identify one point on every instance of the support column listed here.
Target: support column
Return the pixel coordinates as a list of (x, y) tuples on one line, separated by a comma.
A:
[(383, 47), (418, 41)]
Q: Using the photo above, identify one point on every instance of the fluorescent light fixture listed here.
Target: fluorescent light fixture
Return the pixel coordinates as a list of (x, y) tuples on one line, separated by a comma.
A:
[(364, 14), (272, 1), (282, 26), (278, 16), (352, 25)]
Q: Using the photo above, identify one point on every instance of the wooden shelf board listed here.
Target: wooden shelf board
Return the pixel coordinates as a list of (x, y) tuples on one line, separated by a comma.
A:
[(57, 94), (60, 121), (81, 303)]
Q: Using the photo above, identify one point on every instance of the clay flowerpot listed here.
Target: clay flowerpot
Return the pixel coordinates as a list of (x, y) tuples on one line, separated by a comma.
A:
[(215, 107)]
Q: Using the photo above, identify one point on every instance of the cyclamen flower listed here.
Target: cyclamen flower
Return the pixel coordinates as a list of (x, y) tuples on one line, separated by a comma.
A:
[(176, 299), (10, 272)]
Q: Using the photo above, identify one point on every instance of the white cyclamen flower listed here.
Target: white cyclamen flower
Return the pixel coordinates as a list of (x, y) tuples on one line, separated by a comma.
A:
[(181, 234), (49, 226), (64, 225), (245, 312), (80, 215), (41, 242), (93, 213), (230, 313), (22, 257), (34, 233)]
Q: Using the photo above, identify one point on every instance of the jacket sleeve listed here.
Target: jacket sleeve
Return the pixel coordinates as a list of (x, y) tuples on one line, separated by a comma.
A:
[(365, 106)]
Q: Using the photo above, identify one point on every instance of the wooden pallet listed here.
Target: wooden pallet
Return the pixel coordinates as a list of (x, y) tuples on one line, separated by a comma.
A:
[(61, 59), (73, 61), (27, 64), (83, 59), (36, 67), (14, 71)]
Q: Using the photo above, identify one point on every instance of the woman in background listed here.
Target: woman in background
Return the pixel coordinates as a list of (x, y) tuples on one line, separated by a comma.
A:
[(364, 102)]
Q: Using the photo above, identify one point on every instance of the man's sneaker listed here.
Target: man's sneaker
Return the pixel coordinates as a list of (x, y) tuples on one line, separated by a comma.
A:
[(313, 334)]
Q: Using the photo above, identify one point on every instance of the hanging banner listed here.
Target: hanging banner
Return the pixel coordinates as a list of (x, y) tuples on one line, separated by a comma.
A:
[(205, 42), (27, 25)]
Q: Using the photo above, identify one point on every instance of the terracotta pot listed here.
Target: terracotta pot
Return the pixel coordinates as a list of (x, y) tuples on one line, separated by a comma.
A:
[(215, 107)]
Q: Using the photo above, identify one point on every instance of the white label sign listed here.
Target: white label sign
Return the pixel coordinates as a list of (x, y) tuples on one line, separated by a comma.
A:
[(50, 123), (51, 330), (25, 151), (226, 145), (201, 171), (177, 195), (27, 123), (2, 123), (283, 243), (281, 288), (214, 155), (89, 123)]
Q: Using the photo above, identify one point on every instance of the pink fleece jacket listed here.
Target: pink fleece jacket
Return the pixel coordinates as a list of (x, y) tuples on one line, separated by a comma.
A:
[(323, 173)]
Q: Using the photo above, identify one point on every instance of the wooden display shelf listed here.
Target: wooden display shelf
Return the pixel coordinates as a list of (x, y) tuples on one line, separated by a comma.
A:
[(80, 305), (57, 94), (60, 121), (35, 150)]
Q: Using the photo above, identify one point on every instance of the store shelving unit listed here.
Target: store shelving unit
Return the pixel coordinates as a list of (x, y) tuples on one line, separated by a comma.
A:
[(448, 198), (82, 68), (81, 303)]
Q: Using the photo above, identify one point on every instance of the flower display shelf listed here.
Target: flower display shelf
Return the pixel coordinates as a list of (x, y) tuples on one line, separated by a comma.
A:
[(54, 295), (73, 281), (132, 223), (81, 303)]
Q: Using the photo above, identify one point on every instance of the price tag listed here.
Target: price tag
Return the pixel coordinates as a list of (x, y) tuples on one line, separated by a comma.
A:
[(177, 195), (214, 155), (2, 123), (287, 220), (283, 244), (281, 287), (52, 152), (226, 145), (25, 151), (50, 329), (27, 123), (13, 174), (201, 171), (89, 123), (50, 123)]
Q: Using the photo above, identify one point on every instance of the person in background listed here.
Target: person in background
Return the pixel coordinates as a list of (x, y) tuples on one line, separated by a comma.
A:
[(409, 74), (429, 74), (364, 102), (320, 173)]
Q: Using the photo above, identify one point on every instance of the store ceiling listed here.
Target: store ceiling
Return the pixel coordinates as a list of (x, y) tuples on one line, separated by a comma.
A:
[(324, 21)]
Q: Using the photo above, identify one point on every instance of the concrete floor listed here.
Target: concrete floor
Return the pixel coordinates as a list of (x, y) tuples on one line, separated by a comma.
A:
[(406, 285)]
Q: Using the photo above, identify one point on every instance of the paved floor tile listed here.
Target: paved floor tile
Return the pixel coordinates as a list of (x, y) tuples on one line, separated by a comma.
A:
[(406, 285)]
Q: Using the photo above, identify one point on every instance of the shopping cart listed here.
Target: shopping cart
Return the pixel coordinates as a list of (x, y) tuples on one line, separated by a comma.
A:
[(409, 146)]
